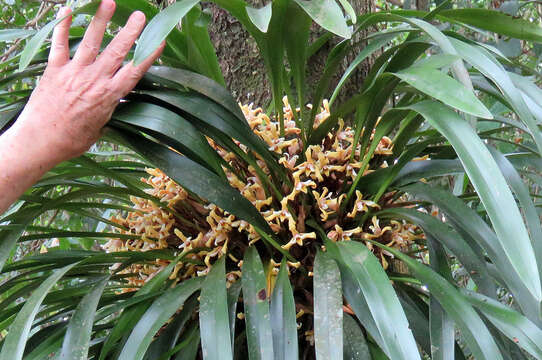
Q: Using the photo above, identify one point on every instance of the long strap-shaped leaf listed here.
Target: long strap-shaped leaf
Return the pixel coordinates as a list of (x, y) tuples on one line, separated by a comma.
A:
[(159, 28), (201, 109), (233, 297), (283, 320), (49, 344), (181, 79), (473, 329), (355, 345), (15, 341), (328, 308), (458, 67), (255, 299), (77, 338), (367, 51), (491, 186), (165, 343), (511, 323), (495, 21), (478, 234), (153, 319), (14, 34), (437, 84), (359, 265), (445, 235), (441, 325), (9, 237), (182, 135), (213, 315), (328, 15), (484, 62), (131, 315), (522, 194)]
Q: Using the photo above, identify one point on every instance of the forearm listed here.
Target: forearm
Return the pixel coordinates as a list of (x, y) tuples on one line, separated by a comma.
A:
[(24, 159)]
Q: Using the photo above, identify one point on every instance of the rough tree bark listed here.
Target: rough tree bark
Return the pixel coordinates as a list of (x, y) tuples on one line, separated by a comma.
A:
[(244, 70)]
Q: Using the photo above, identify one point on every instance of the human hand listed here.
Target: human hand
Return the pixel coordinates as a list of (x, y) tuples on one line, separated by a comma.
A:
[(75, 98)]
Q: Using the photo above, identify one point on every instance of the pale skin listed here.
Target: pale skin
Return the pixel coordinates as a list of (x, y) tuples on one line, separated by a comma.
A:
[(73, 101)]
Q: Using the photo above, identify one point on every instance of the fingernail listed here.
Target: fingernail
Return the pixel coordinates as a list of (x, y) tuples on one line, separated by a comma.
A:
[(109, 4), (139, 16)]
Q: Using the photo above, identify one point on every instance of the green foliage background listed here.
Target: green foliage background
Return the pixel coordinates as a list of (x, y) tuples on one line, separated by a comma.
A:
[(480, 295)]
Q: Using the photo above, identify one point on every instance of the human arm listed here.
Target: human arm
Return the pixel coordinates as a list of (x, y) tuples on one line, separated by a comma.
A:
[(72, 102)]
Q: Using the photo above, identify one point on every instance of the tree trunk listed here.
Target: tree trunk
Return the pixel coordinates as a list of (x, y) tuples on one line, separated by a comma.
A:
[(244, 70)]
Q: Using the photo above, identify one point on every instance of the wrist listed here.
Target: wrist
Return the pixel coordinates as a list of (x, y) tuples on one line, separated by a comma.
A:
[(23, 161), (29, 143)]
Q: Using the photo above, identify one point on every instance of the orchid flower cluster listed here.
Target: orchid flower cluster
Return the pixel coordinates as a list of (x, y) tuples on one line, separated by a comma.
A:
[(319, 175)]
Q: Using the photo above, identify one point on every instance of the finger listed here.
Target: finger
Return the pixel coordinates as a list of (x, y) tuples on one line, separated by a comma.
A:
[(111, 58), (60, 48), (127, 77), (90, 46)]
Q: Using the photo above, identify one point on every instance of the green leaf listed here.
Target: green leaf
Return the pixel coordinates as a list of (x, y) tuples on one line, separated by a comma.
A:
[(528, 86), (156, 316), (355, 345), (201, 55), (159, 28), (9, 237), (34, 44), (515, 326), (328, 308), (49, 344), (131, 315), (271, 46), (349, 10), (491, 186), (444, 88), (176, 41), (255, 299), (8, 114), (333, 60), (296, 34), (213, 315), (367, 51), (417, 313), (441, 325), (474, 332), (369, 292), (183, 136), (206, 114), (14, 34), (495, 21), (166, 342), (15, 341), (444, 234), (181, 79), (233, 298), (522, 194), (367, 119), (77, 338), (283, 317), (458, 68), (260, 17), (490, 67), (327, 14), (437, 61), (189, 345)]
